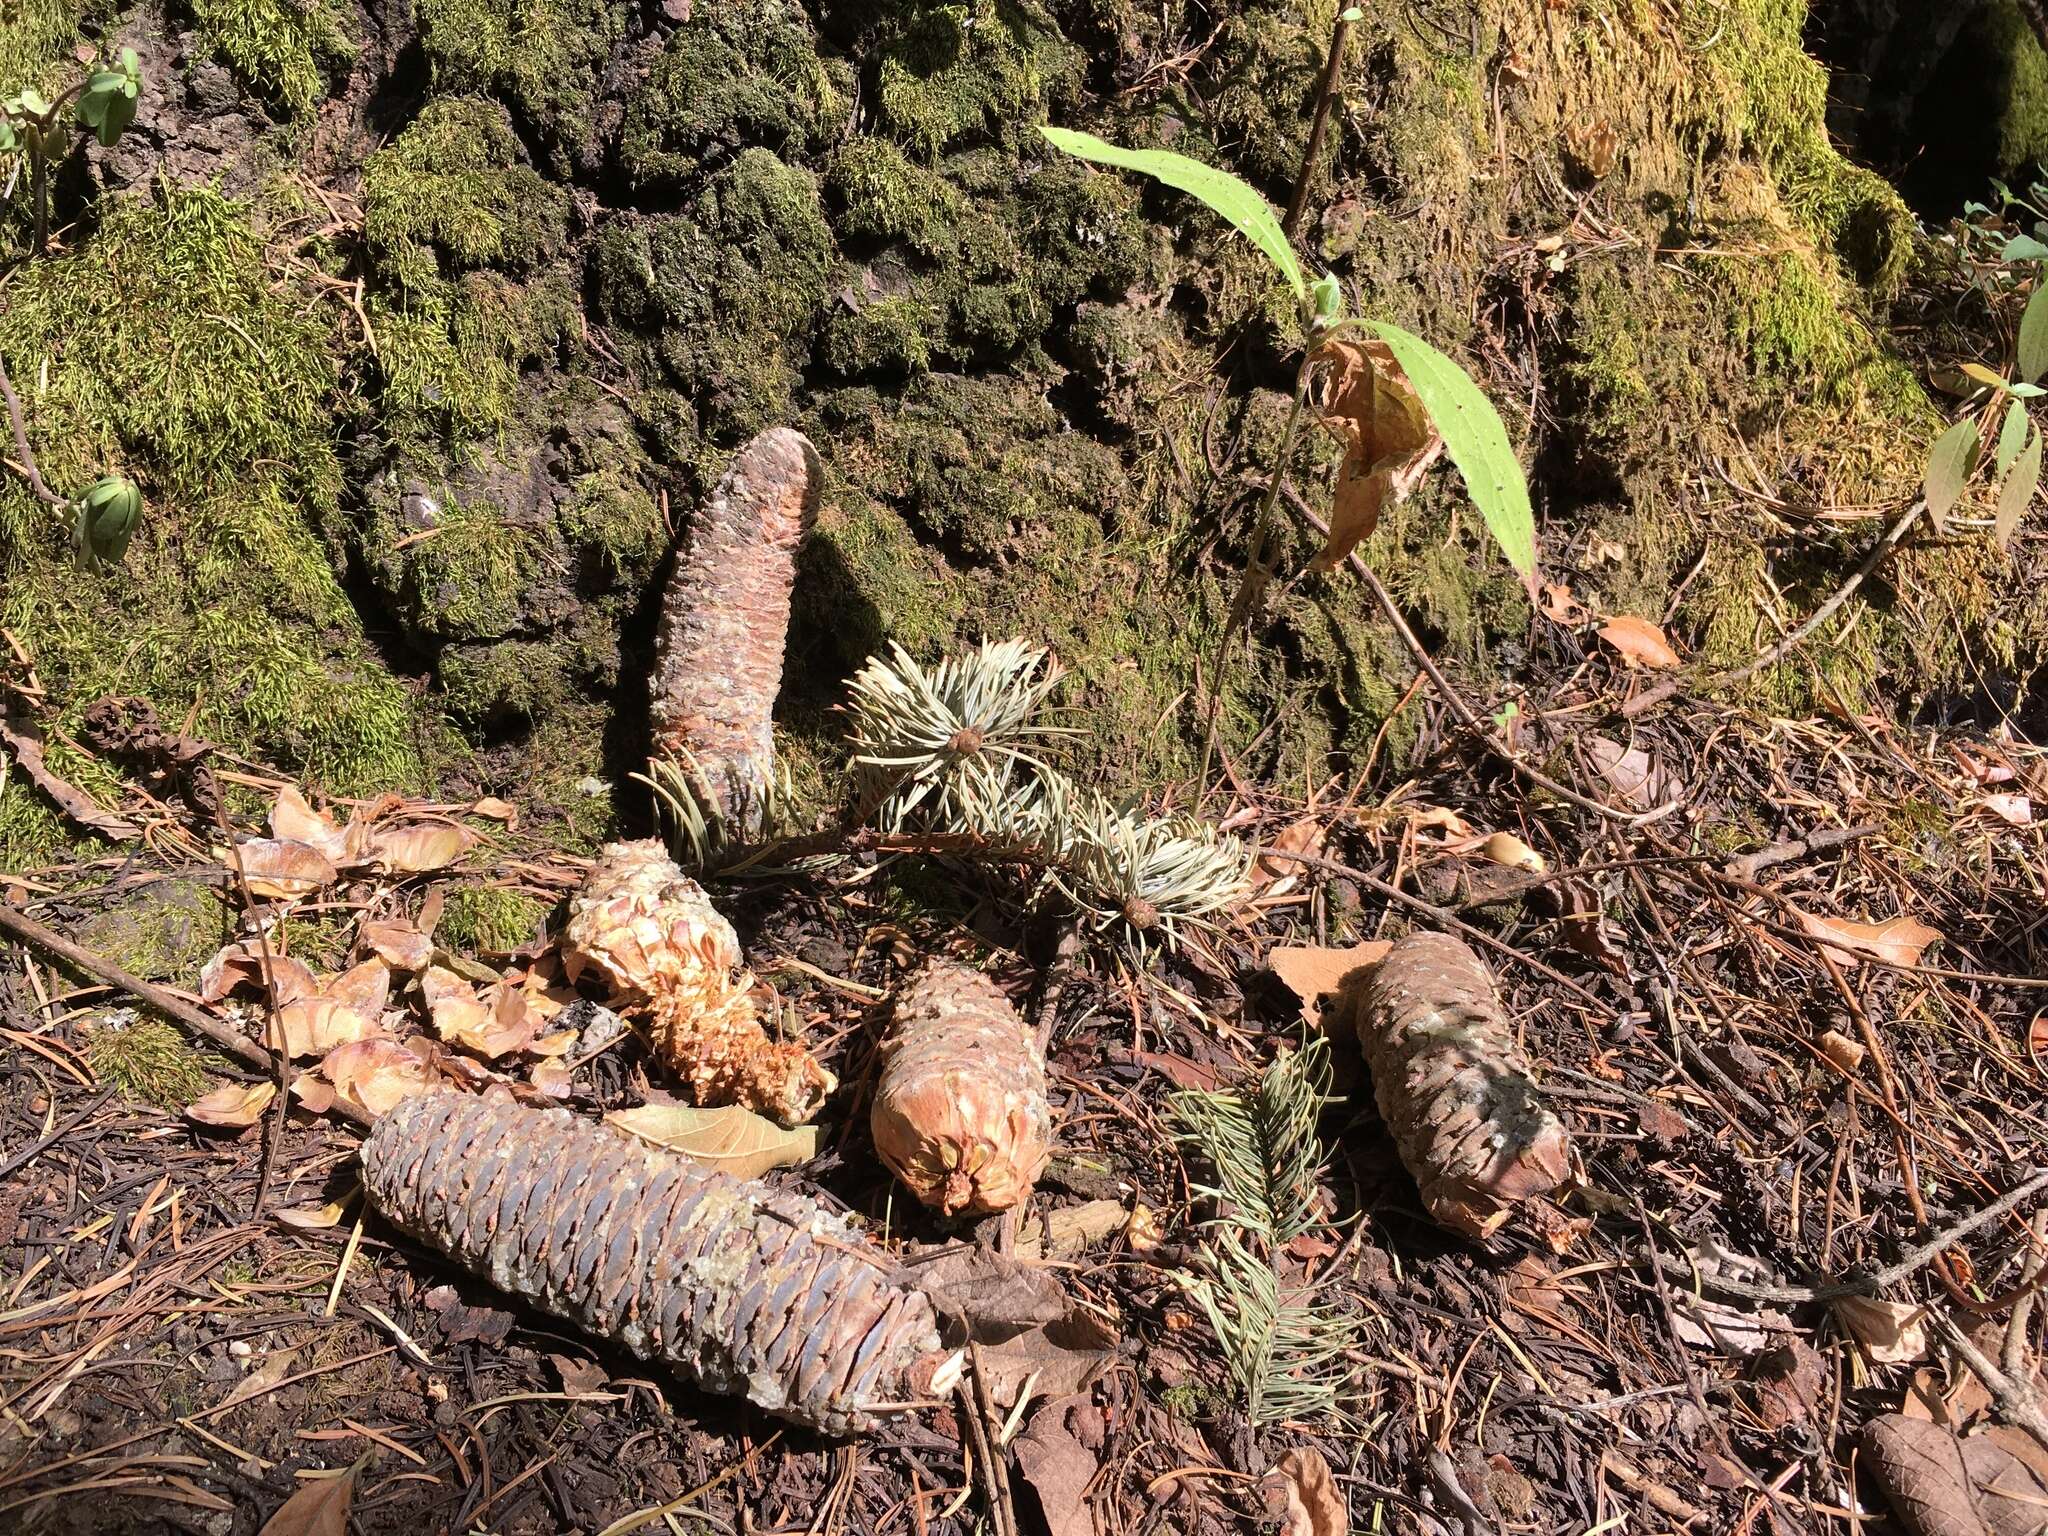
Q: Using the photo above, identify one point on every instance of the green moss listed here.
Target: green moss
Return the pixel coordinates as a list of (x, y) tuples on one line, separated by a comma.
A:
[(725, 294), (148, 1060), (981, 69), (283, 48), (546, 56), (161, 346), (889, 336), (463, 575), (163, 931), (613, 525), (878, 194), (512, 681), (482, 919), (37, 39), (739, 72), (452, 181)]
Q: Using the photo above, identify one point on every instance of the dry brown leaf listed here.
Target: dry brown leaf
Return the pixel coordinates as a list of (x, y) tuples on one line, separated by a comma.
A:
[(2013, 810), (1058, 1468), (313, 1026), (24, 738), (1303, 1494), (292, 820), (365, 987), (1021, 1315), (418, 846), (1891, 1332), (374, 1075), (275, 1367), (1313, 973), (276, 867), (241, 964), (1898, 940), (1561, 607), (313, 1091), (1427, 818), (1841, 1050), (313, 1218), (493, 1023), (437, 982), (1920, 1467), (1303, 836), (553, 1078), (234, 1106), (319, 1508), (733, 1140), (1629, 771), (494, 809), (1389, 441), (1641, 643), (397, 943), (1506, 848)]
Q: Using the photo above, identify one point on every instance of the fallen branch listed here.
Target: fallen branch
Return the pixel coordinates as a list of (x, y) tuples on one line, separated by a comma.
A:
[(169, 1004)]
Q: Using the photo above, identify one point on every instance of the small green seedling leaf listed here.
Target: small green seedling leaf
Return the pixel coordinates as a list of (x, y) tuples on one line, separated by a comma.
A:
[(1329, 299), (2017, 494), (2025, 391), (1249, 213), (2033, 358), (108, 512), (2012, 432), (1477, 442), (1984, 375), (1948, 469), (107, 104), (2023, 248)]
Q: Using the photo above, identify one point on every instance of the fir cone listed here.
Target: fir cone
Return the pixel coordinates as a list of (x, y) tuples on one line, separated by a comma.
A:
[(663, 949), (724, 620), (742, 1288), (1454, 1088), (960, 1113)]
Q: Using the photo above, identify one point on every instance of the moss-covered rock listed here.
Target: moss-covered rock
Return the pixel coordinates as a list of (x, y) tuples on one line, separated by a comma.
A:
[(283, 49), (546, 57), (161, 931)]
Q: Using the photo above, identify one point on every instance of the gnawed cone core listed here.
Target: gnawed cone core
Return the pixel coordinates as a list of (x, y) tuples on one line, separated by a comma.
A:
[(960, 1113), (663, 949), (724, 622)]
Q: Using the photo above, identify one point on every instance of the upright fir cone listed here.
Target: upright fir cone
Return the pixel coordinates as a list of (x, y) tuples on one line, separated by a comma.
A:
[(652, 934), (742, 1288), (724, 620), (960, 1113), (1453, 1086)]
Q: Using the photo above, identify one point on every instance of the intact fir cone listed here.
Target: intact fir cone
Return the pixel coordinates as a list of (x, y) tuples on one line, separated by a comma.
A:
[(960, 1113), (743, 1288), (1454, 1088), (724, 620), (652, 934)]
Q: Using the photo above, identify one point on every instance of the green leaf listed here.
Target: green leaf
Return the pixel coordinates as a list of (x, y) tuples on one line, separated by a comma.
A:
[(2011, 434), (1477, 442), (1984, 375), (2025, 391), (2017, 494), (1948, 468), (2034, 336), (1251, 215), (2023, 248)]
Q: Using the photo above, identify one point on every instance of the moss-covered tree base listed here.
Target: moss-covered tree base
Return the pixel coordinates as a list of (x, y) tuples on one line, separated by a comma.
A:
[(416, 413)]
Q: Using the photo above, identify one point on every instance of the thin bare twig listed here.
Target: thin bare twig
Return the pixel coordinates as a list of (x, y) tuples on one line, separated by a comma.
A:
[(29, 467), (1333, 67)]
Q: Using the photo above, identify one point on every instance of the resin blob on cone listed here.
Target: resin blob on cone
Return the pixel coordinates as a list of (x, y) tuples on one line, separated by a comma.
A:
[(960, 1113)]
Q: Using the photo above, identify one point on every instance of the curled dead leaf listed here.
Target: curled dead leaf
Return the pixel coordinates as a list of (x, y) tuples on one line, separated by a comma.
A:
[(1367, 403), (313, 1218), (1629, 771), (376, 1074), (397, 943), (1899, 940), (1302, 1492), (493, 1023), (234, 1106), (1891, 1332), (494, 809), (239, 966), (313, 1026), (1841, 1050), (416, 847), (1315, 974), (1270, 873), (292, 820), (2013, 810), (1641, 643), (320, 1507), (734, 1140), (278, 867)]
